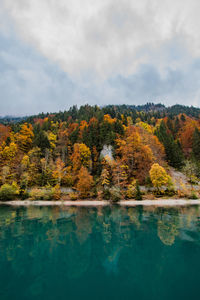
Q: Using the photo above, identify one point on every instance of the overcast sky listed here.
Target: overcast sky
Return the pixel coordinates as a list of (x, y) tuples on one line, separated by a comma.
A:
[(56, 53)]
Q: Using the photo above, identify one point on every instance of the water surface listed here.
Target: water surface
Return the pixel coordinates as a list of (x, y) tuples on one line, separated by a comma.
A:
[(99, 253)]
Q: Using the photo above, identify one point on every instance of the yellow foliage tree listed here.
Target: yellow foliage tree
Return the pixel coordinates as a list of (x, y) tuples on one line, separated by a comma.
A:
[(59, 171), (159, 176), (146, 126), (131, 189), (5, 174), (105, 178), (52, 139), (7, 153), (25, 137), (56, 192), (107, 118), (25, 162)]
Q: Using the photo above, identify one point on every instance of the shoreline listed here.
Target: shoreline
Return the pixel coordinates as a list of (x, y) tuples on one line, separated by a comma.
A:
[(158, 202)]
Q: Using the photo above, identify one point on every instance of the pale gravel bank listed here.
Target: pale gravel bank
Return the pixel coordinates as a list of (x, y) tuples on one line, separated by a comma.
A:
[(53, 203), (158, 202)]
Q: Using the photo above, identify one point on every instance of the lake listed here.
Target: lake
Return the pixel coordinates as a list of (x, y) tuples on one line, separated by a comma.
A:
[(99, 253)]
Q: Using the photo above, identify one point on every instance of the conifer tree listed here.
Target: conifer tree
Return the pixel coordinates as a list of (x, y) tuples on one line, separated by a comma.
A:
[(41, 140), (196, 144), (138, 194), (173, 150)]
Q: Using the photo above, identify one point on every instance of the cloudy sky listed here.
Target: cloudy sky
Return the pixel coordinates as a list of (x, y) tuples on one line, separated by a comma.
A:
[(56, 53)]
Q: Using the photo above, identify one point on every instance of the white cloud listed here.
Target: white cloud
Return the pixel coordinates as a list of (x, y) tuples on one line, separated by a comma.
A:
[(108, 37)]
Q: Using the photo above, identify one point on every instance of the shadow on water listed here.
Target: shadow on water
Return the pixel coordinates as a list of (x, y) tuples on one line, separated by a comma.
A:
[(99, 253)]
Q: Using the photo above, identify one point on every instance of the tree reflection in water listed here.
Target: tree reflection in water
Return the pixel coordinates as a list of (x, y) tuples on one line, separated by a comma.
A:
[(62, 243)]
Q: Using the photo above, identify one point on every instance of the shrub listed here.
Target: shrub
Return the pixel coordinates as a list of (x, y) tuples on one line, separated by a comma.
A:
[(23, 194), (47, 193), (148, 181), (37, 194), (106, 194), (193, 180), (130, 193), (182, 194), (94, 193), (159, 193), (115, 194), (67, 180), (170, 192), (183, 191), (193, 196), (73, 196), (9, 191), (138, 194), (56, 192)]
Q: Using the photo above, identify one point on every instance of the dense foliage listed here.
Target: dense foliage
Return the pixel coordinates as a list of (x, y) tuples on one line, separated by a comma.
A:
[(98, 152)]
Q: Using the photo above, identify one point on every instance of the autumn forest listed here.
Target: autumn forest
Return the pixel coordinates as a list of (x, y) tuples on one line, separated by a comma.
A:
[(112, 153)]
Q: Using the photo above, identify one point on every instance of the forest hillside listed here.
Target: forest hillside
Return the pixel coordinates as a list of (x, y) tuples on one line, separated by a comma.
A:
[(114, 152)]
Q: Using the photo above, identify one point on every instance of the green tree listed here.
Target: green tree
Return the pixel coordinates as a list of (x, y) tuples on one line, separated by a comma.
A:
[(41, 140), (9, 191), (174, 154), (138, 194), (196, 144)]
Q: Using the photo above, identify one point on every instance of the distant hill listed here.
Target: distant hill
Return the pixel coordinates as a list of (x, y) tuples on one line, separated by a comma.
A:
[(11, 119), (86, 112)]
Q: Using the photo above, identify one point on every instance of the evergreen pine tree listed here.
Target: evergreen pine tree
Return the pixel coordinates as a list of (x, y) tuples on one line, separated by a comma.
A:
[(196, 144), (173, 150), (138, 194), (41, 141), (177, 125), (182, 118)]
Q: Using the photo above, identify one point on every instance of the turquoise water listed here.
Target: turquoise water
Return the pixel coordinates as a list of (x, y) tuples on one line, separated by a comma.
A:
[(99, 253)]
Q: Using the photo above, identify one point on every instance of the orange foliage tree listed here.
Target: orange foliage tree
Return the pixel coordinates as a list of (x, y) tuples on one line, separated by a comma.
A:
[(153, 142), (186, 135), (4, 133), (82, 127), (85, 182), (134, 154), (80, 157)]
